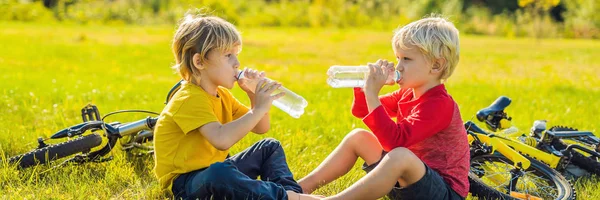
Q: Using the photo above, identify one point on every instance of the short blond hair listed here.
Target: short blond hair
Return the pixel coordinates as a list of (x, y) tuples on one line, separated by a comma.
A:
[(201, 34), (436, 38)]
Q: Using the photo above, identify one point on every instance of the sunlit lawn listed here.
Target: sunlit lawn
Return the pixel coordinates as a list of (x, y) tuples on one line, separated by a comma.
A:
[(48, 72)]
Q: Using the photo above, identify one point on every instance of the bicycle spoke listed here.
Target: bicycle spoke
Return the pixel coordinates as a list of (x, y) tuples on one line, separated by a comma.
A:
[(496, 173), (538, 189)]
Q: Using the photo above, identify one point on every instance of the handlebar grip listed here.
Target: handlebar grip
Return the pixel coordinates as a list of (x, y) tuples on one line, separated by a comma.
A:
[(152, 122)]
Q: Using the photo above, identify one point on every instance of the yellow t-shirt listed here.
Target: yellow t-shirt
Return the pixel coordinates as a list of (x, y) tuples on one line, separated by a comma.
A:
[(179, 147)]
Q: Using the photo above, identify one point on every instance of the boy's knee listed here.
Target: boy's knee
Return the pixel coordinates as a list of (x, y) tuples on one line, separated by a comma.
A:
[(400, 152), (402, 155), (269, 143), (220, 171), (358, 135)]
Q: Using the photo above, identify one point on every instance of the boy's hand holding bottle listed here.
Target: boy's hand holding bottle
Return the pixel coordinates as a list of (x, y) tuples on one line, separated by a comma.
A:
[(248, 75), (378, 76), (262, 94), (254, 82), (356, 76)]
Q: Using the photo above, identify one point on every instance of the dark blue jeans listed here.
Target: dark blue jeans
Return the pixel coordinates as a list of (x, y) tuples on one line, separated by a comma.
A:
[(236, 177)]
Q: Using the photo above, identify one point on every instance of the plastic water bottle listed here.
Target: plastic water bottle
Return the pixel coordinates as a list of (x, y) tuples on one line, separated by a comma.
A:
[(291, 103), (354, 76)]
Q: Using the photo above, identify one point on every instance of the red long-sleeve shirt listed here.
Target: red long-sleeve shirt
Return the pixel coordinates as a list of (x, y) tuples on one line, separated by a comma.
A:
[(430, 126)]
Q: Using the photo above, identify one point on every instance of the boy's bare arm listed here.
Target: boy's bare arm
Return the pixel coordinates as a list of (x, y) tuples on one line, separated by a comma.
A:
[(223, 136), (263, 125), (265, 122)]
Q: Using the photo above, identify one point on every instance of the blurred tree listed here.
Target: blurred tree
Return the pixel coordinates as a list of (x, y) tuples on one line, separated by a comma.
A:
[(156, 5), (544, 4), (498, 7), (538, 9), (494, 6), (59, 7), (582, 18), (557, 12), (50, 3)]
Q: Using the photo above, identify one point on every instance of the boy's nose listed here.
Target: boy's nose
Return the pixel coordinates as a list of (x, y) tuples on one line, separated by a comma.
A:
[(236, 64), (399, 67)]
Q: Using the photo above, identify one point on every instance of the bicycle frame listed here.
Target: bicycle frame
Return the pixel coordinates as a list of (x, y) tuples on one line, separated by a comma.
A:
[(511, 141), (496, 143)]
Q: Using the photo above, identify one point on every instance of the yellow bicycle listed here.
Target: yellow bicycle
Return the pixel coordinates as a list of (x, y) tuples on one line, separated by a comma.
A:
[(504, 167), (497, 171), (573, 153)]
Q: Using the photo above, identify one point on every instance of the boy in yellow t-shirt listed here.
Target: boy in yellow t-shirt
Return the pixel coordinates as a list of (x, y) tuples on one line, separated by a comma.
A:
[(203, 120)]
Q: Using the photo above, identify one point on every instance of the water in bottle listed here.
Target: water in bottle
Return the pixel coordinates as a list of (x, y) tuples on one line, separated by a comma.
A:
[(354, 76), (291, 103)]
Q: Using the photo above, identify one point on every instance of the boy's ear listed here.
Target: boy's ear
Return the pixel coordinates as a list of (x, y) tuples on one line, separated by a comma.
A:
[(196, 60), (438, 65)]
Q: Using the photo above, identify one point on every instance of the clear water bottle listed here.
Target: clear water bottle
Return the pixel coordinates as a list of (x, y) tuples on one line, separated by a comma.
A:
[(354, 76), (291, 103)]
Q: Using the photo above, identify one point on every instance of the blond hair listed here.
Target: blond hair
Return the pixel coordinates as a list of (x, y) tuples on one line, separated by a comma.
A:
[(201, 34), (436, 38)]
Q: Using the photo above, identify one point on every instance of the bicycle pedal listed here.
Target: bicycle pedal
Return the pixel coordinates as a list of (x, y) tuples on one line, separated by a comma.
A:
[(90, 113), (519, 195), (41, 143)]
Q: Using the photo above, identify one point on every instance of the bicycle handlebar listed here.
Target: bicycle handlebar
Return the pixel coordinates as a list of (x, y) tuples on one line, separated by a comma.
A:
[(77, 129), (136, 126), (119, 130)]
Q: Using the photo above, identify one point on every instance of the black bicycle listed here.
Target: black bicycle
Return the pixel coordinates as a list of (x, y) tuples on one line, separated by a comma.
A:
[(84, 140), (135, 137)]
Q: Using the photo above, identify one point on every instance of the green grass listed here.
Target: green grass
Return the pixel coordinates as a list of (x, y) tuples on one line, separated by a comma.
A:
[(48, 72)]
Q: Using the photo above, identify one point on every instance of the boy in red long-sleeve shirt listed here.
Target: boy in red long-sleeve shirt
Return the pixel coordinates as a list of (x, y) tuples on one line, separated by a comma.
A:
[(425, 153)]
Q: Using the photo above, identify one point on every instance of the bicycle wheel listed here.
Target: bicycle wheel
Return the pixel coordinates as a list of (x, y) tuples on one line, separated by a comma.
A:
[(144, 137), (590, 164), (57, 151), (479, 189), (490, 178)]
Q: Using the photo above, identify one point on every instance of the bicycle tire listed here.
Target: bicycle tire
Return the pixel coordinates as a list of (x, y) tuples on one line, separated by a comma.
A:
[(478, 188), (144, 138), (56, 151), (580, 160), (588, 164)]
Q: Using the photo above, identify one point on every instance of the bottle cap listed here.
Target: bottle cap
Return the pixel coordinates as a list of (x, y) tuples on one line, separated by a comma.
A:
[(241, 74), (397, 77)]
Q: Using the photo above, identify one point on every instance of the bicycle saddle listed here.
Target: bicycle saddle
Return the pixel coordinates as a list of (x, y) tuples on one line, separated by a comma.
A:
[(499, 105)]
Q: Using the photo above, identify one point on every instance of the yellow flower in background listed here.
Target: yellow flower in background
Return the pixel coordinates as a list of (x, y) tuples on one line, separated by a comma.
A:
[(544, 3)]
